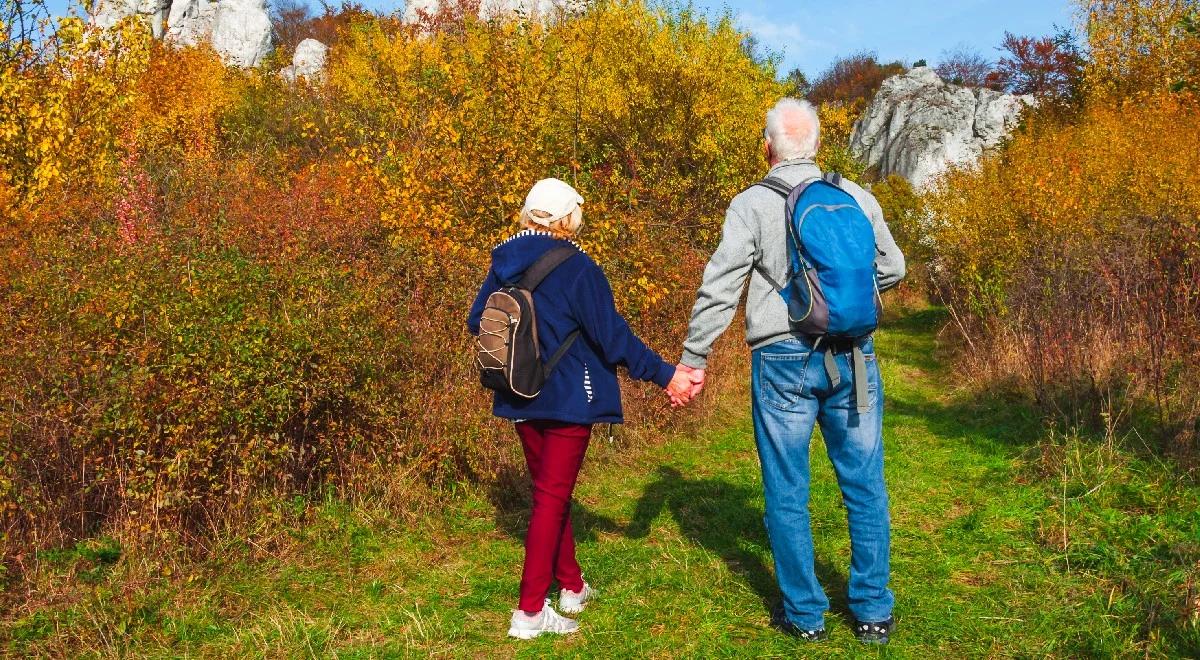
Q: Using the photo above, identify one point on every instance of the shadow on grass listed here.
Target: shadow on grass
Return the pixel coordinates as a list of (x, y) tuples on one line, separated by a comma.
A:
[(511, 497), (725, 520), (989, 419), (911, 339), (988, 422), (721, 518)]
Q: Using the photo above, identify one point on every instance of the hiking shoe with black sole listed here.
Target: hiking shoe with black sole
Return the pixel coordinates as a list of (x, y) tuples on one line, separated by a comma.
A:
[(779, 620), (874, 632), (818, 635)]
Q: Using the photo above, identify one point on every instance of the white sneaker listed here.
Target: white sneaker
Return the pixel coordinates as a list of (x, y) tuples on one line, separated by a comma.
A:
[(573, 602), (524, 626)]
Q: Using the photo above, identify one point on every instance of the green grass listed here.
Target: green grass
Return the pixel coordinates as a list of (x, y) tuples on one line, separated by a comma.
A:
[(672, 536)]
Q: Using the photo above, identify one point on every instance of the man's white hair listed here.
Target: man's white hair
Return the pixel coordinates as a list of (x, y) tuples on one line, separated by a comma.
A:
[(793, 129)]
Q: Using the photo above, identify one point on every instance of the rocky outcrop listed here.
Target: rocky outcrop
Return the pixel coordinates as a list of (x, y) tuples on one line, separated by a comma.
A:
[(308, 62), (413, 9), (918, 126), (110, 12), (239, 30)]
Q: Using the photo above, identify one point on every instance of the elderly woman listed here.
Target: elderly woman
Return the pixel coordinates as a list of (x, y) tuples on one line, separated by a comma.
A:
[(581, 391)]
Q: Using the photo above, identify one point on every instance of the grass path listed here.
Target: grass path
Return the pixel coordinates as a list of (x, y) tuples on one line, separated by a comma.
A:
[(672, 537)]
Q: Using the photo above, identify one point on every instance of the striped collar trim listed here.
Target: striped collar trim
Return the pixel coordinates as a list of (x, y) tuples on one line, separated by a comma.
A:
[(534, 232)]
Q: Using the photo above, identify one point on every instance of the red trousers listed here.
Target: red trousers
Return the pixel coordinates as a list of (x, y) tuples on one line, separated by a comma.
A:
[(554, 453)]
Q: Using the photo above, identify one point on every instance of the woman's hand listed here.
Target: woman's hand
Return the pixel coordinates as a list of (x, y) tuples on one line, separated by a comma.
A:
[(684, 385)]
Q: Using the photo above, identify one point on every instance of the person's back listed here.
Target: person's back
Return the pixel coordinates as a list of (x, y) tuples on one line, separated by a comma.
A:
[(755, 222), (555, 425), (575, 296), (799, 380)]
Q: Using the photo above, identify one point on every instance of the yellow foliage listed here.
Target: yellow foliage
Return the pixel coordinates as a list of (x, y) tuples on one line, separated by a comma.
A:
[(61, 118), (1071, 262), (237, 284), (1069, 185), (181, 115), (647, 112), (837, 124), (837, 121), (1142, 45)]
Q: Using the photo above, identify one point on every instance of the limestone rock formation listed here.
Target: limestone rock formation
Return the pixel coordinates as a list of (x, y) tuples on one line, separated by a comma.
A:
[(491, 8), (918, 126), (110, 12), (239, 30), (190, 22), (308, 62)]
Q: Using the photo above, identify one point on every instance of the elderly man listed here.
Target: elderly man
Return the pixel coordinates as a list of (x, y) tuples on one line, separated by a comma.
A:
[(798, 381)]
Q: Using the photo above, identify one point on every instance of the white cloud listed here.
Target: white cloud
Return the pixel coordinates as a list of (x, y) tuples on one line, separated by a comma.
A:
[(787, 37), (769, 30)]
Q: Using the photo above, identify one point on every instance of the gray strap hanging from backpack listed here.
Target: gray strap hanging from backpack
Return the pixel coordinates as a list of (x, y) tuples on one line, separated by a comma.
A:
[(860, 381), (831, 370), (533, 278), (858, 371)]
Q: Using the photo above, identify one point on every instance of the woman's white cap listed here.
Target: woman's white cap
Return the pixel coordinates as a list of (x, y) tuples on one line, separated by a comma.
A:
[(554, 198)]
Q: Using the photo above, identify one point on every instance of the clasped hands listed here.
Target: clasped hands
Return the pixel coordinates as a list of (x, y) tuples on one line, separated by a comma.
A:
[(685, 385)]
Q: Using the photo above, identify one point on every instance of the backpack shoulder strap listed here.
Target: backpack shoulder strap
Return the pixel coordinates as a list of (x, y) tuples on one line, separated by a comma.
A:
[(776, 184), (546, 265), (788, 191), (562, 350)]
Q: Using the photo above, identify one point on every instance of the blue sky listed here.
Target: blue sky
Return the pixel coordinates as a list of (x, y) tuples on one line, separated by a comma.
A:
[(810, 34)]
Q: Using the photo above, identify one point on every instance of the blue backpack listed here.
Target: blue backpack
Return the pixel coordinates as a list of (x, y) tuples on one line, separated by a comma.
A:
[(831, 290)]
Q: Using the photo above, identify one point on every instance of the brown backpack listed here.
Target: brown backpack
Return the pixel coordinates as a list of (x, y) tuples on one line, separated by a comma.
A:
[(507, 349)]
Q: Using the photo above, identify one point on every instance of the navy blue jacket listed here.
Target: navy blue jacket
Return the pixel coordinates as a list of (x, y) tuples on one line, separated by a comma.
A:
[(583, 387)]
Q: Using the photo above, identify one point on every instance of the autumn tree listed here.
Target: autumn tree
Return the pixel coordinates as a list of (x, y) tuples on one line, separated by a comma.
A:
[(1043, 66), (965, 66), (21, 24), (1142, 45), (853, 79), (294, 21), (757, 52), (797, 83)]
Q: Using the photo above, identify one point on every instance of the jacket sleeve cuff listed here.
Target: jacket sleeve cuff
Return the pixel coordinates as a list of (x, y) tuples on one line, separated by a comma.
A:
[(663, 376), (694, 360)]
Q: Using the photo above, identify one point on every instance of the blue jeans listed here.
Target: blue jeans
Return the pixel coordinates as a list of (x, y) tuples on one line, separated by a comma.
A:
[(791, 391)]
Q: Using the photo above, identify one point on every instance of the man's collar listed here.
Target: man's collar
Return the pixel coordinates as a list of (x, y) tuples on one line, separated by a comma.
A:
[(789, 163)]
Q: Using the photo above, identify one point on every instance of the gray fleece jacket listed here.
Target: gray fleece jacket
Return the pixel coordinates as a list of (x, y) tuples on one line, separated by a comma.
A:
[(754, 243)]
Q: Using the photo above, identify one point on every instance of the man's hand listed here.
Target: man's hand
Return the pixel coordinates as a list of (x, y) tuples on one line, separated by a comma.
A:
[(697, 378), (685, 385), (680, 388)]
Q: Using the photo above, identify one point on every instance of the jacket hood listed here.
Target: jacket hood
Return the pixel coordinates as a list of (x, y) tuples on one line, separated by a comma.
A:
[(514, 256)]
